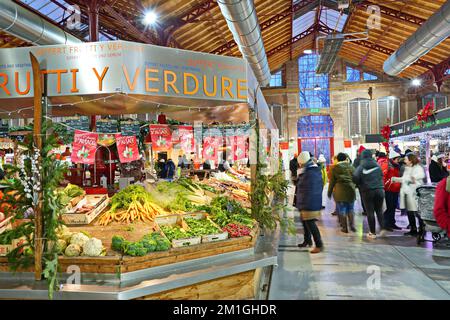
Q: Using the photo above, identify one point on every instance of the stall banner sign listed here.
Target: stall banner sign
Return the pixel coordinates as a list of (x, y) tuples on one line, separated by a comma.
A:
[(106, 126), (186, 134), (240, 148), (230, 142), (106, 140), (161, 137), (122, 66), (4, 129), (210, 147), (77, 123), (127, 147), (175, 137), (83, 147), (130, 128), (274, 150)]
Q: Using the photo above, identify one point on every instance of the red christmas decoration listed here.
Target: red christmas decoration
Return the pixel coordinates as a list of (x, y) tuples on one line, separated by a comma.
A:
[(426, 113), (386, 132)]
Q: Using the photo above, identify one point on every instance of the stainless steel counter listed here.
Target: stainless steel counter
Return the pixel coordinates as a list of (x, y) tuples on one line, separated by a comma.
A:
[(147, 281)]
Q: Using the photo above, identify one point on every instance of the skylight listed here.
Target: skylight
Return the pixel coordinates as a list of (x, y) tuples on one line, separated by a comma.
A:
[(333, 19), (303, 23)]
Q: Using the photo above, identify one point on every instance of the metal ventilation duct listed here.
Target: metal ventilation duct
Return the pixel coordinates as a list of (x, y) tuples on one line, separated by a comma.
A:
[(430, 34), (243, 23), (30, 27), (332, 46)]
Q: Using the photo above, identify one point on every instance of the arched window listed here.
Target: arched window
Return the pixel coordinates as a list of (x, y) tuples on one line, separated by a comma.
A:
[(315, 134), (388, 111), (314, 92), (439, 100), (359, 117)]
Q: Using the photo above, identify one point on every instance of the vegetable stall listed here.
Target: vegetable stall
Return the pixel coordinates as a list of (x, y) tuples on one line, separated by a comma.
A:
[(147, 238)]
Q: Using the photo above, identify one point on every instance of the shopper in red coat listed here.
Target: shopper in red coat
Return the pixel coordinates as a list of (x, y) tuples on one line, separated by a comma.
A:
[(392, 189), (442, 204)]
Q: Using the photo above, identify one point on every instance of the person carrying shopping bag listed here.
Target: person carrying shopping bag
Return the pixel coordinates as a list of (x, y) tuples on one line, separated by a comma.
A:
[(412, 179)]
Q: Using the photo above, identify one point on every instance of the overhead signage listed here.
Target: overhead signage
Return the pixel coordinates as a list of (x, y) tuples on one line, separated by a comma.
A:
[(121, 66), (411, 127)]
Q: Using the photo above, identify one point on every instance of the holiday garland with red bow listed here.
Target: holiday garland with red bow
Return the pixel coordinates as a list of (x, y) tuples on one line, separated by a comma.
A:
[(426, 114)]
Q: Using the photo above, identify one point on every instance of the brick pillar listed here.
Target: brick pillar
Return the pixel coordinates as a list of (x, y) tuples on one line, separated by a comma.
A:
[(293, 104)]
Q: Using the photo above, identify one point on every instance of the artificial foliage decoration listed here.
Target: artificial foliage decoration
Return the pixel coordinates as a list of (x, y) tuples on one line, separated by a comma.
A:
[(269, 196), (37, 172), (426, 114)]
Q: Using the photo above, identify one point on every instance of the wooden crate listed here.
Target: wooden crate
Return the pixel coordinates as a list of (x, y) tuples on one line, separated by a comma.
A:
[(176, 219), (77, 218), (208, 237), (5, 225)]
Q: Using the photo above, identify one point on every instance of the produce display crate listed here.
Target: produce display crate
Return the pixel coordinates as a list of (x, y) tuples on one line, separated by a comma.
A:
[(72, 218), (5, 225), (7, 248), (176, 219), (76, 200), (208, 237)]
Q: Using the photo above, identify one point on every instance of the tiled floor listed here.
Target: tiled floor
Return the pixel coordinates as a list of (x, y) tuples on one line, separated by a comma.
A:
[(349, 266)]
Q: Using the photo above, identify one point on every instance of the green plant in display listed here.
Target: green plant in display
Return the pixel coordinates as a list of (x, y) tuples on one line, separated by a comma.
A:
[(38, 172)]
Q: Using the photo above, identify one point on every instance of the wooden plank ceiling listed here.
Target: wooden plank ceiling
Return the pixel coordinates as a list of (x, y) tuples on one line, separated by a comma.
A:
[(199, 25)]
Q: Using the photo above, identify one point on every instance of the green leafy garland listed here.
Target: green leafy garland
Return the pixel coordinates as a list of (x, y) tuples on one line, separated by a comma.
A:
[(269, 197), (51, 174)]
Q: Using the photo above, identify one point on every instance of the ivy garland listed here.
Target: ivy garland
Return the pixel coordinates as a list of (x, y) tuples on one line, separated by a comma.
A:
[(22, 200)]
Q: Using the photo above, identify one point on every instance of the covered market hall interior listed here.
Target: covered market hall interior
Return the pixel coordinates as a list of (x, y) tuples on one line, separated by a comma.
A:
[(277, 150)]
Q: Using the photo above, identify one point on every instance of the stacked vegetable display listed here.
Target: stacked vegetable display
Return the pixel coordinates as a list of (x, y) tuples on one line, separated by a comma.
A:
[(77, 244), (149, 243), (131, 204)]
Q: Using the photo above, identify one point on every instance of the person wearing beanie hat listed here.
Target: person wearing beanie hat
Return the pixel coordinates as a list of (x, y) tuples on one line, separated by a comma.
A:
[(369, 178), (343, 190), (322, 163), (309, 200), (392, 190)]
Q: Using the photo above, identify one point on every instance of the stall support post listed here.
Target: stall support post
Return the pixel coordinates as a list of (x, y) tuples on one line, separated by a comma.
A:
[(428, 156), (37, 137)]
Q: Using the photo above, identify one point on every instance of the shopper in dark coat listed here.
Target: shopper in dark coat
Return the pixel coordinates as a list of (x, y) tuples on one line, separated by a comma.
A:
[(170, 169), (293, 167), (437, 170), (343, 190), (309, 200), (356, 164), (369, 177)]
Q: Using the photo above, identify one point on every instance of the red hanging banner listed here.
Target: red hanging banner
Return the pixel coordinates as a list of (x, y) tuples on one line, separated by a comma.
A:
[(186, 134), (161, 137), (240, 148), (83, 147), (127, 148), (210, 147)]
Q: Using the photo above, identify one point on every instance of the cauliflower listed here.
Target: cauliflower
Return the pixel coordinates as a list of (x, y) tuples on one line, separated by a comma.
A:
[(64, 233), (73, 250), (79, 239), (61, 245), (93, 248)]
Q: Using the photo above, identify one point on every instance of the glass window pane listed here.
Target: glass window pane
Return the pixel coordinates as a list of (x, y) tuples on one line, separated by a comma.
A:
[(369, 76), (353, 75), (276, 79), (359, 117)]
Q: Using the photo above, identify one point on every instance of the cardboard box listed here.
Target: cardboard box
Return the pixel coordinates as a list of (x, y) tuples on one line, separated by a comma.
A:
[(5, 225)]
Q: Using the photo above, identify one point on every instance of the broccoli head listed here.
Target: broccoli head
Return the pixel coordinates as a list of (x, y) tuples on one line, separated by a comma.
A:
[(149, 244), (135, 249), (117, 243)]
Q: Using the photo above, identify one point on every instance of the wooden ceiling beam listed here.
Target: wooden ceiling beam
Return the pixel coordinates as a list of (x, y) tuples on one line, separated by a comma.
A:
[(389, 12), (388, 52), (126, 24), (302, 6)]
